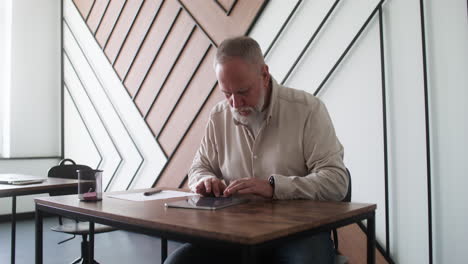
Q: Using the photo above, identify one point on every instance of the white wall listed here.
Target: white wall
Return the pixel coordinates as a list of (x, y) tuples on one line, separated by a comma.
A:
[(5, 51), (34, 92), (408, 203), (353, 97), (448, 67), (30, 88)]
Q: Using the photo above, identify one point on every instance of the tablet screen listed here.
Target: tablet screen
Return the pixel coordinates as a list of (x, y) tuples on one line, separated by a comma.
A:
[(209, 203)]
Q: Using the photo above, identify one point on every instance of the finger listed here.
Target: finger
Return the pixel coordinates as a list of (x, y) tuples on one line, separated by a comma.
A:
[(234, 185), (207, 185), (239, 181), (234, 188), (216, 189), (200, 188)]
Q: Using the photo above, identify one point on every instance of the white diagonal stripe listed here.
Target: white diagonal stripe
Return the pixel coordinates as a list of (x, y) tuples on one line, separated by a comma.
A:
[(85, 152), (110, 157), (131, 157), (154, 159)]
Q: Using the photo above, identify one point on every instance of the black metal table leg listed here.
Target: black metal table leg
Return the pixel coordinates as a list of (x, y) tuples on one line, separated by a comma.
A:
[(163, 249), (38, 236), (248, 255), (371, 239), (13, 229), (91, 243)]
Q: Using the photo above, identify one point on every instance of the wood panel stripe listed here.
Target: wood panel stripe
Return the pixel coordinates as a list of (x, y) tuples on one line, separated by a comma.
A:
[(89, 13), (231, 8), (96, 15), (84, 6), (171, 70), (181, 160), (151, 47), (185, 88), (201, 27), (121, 30), (109, 20), (162, 65), (215, 22), (192, 101), (223, 5), (136, 37), (226, 5), (176, 85)]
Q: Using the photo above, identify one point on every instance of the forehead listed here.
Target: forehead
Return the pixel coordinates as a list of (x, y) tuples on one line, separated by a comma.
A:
[(236, 74)]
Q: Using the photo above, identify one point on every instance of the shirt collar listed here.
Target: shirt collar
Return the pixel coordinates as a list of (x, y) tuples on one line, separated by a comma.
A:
[(273, 98)]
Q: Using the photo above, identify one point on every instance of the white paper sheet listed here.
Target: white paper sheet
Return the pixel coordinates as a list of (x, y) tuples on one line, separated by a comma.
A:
[(140, 197)]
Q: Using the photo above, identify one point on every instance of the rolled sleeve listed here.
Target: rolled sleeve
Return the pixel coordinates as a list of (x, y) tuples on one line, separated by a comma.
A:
[(205, 163)]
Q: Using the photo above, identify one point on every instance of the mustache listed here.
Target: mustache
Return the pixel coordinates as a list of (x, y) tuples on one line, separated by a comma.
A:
[(244, 108)]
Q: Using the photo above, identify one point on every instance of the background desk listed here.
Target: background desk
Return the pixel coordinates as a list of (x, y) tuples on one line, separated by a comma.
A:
[(249, 226), (51, 184)]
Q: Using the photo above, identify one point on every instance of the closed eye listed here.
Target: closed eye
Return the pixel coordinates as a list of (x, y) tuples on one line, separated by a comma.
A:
[(244, 92)]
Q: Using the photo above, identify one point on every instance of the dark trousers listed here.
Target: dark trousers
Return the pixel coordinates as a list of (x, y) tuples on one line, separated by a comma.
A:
[(317, 249)]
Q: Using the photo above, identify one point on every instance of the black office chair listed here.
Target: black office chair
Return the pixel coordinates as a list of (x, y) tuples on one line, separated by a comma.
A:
[(69, 171), (347, 198)]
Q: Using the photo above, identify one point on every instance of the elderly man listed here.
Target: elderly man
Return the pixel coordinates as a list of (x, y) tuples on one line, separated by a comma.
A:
[(266, 140)]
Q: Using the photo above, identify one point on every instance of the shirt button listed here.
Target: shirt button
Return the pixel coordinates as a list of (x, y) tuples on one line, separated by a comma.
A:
[(255, 157)]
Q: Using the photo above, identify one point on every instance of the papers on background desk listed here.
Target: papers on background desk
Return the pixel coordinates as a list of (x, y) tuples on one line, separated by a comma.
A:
[(140, 197)]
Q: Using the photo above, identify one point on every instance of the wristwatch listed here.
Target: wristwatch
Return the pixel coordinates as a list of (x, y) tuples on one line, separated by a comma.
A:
[(271, 180)]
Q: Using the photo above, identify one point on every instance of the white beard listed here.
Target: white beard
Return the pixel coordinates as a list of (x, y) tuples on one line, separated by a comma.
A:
[(255, 119), (255, 116)]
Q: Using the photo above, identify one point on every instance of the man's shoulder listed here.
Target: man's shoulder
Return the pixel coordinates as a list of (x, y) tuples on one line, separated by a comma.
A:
[(297, 97), (219, 108)]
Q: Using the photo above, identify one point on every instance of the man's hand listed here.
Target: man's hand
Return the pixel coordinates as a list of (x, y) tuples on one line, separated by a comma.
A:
[(210, 186), (250, 186)]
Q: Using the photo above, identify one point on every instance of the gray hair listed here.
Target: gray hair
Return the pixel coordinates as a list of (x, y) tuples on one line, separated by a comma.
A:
[(242, 47)]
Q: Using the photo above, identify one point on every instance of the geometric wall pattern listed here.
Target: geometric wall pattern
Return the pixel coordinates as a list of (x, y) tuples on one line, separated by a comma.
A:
[(161, 55)]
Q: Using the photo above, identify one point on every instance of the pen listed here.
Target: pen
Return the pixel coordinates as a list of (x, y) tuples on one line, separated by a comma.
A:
[(152, 192)]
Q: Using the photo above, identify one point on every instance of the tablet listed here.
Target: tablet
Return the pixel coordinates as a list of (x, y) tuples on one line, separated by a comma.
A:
[(206, 203)]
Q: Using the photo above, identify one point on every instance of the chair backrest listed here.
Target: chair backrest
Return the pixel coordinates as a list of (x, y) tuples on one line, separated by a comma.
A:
[(348, 193), (67, 171)]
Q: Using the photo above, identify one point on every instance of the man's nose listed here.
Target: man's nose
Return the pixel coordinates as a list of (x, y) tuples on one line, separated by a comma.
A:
[(236, 101)]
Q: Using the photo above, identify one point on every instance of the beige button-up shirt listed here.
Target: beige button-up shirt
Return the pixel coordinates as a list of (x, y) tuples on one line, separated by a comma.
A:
[(296, 144)]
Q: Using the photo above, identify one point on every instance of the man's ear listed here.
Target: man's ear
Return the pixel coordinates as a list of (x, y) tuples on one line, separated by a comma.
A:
[(265, 73)]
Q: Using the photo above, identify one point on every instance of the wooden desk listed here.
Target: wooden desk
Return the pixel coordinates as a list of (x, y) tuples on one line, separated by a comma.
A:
[(51, 184), (249, 226)]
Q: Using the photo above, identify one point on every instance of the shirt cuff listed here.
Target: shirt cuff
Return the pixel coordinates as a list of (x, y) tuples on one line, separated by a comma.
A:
[(283, 187)]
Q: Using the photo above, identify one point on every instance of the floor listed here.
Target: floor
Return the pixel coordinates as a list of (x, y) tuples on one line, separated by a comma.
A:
[(113, 247)]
